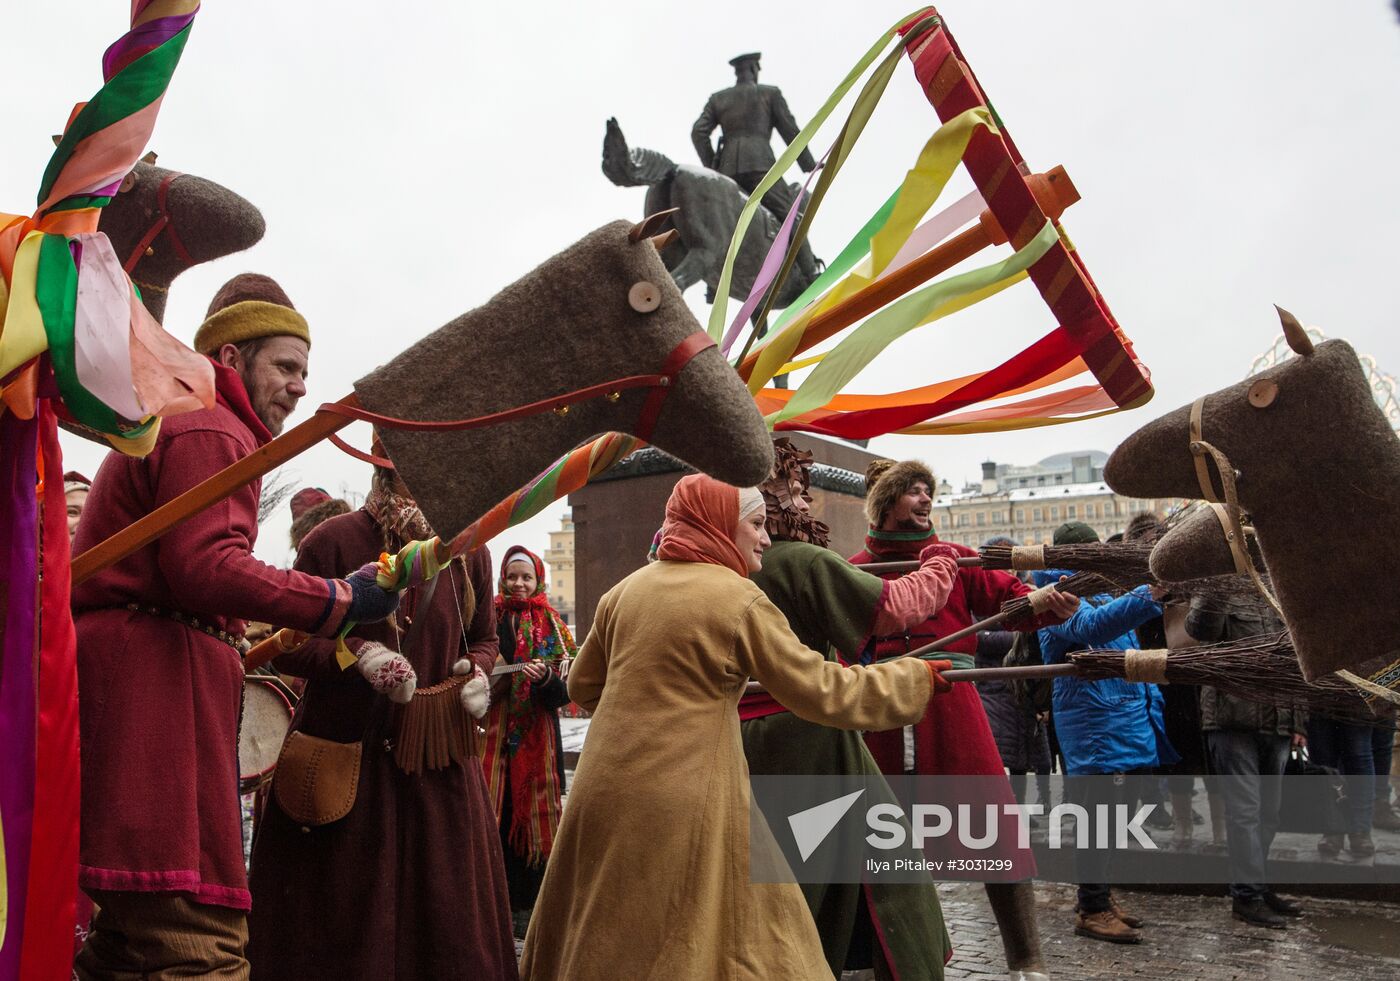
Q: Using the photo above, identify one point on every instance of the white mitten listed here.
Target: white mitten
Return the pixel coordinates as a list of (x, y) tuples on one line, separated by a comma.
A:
[(476, 694), (388, 672)]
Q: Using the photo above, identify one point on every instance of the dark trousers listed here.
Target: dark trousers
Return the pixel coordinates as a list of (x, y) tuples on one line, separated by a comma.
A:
[(1240, 759), (1347, 746), (1382, 745), (1042, 786), (1091, 864)]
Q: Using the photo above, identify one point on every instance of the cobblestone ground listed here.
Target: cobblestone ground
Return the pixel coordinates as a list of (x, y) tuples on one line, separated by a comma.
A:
[(1191, 937)]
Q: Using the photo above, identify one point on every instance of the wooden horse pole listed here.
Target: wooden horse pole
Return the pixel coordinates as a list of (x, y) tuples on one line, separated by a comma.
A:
[(976, 675), (261, 461)]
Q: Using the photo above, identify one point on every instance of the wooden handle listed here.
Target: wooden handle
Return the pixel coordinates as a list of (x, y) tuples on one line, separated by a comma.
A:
[(261, 461), (283, 641), (976, 675)]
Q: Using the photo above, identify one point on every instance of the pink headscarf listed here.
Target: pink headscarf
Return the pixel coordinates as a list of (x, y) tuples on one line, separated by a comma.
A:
[(701, 517)]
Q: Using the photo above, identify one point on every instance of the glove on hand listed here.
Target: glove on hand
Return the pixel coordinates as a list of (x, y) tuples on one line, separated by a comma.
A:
[(368, 602), (937, 549), (941, 685), (388, 672), (476, 694)]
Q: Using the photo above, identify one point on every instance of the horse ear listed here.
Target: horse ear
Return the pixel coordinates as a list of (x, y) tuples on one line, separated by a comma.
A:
[(649, 225), (128, 182), (665, 238), (149, 158), (1294, 333)]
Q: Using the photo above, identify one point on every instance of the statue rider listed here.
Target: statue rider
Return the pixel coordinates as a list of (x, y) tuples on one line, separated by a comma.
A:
[(746, 113)]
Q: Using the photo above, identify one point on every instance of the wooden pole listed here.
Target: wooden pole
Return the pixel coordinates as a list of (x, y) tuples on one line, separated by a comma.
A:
[(1053, 192), (260, 462), (976, 675)]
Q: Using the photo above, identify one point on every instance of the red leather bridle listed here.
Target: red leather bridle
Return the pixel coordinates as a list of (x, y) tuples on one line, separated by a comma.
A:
[(161, 224), (660, 385)]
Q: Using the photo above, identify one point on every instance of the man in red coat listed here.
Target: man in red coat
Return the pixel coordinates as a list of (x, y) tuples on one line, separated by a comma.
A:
[(956, 738), (160, 662)]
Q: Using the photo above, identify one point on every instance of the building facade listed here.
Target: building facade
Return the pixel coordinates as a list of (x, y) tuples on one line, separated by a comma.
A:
[(1027, 503), (560, 559)]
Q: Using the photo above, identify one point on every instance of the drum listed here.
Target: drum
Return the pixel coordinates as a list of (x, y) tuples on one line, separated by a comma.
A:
[(267, 717)]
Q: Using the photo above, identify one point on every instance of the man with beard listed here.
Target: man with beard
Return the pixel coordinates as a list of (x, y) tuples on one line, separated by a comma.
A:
[(888, 929), (955, 740), (405, 879), (160, 674)]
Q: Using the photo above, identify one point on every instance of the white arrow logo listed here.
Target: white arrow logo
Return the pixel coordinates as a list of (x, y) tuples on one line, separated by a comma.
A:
[(810, 827)]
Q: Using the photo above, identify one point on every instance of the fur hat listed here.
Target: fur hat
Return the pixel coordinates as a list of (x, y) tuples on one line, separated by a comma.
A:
[(249, 306), (887, 481)]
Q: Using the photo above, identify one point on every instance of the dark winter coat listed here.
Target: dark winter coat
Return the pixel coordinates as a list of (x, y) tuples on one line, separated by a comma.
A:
[(1220, 620), (1021, 738)]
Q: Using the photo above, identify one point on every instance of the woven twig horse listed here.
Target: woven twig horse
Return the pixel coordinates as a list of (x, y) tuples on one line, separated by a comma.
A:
[(1311, 457)]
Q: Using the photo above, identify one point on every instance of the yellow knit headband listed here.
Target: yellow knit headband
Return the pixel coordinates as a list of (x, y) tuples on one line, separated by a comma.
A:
[(247, 321)]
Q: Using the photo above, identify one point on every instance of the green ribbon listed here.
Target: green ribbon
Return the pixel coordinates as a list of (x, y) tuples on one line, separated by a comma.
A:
[(789, 157), (125, 93), (854, 353)]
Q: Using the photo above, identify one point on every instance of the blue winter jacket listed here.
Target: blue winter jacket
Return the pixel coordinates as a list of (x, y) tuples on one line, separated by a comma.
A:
[(1108, 726)]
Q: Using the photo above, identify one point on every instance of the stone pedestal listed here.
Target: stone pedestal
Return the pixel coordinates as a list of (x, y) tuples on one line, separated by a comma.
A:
[(616, 515)]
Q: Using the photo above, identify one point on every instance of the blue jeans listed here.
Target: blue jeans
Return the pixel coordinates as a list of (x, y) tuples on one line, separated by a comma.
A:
[(1347, 747), (1382, 744), (1251, 804)]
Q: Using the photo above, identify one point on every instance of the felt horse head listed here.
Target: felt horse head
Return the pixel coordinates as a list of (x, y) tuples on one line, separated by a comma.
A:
[(602, 310), (162, 222), (1199, 547), (1318, 469)]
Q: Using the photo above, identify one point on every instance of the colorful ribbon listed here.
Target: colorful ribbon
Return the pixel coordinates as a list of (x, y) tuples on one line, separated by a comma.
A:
[(65, 291), (1085, 337), (71, 329)]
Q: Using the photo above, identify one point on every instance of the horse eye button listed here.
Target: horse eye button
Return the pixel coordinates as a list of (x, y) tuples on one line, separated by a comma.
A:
[(644, 297), (1262, 393)]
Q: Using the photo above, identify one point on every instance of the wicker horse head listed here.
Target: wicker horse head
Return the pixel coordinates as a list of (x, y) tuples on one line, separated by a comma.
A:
[(1199, 547), (1317, 466), (603, 309), (162, 222)]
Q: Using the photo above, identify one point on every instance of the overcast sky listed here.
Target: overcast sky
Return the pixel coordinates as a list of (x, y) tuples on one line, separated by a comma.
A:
[(412, 161)]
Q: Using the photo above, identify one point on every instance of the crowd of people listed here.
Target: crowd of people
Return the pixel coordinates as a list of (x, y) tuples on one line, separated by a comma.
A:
[(415, 824)]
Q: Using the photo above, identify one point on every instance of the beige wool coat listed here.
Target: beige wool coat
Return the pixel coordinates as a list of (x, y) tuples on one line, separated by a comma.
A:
[(649, 877)]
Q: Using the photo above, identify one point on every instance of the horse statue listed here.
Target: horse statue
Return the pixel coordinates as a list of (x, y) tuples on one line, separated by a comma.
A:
[(709, 204)]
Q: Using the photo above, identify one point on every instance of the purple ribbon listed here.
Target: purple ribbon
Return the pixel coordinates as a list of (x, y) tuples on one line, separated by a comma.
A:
[(19, 543), (771, 262)]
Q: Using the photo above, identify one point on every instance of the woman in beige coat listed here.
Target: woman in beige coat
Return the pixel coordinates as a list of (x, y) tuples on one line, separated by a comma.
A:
[(649, 878)]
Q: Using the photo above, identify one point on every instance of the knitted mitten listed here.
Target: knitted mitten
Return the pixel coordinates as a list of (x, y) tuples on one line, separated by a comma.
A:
[(388, 672)]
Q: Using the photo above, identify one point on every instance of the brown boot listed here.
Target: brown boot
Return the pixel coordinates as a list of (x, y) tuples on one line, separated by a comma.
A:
[(1123, 915), (1106, 926)]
